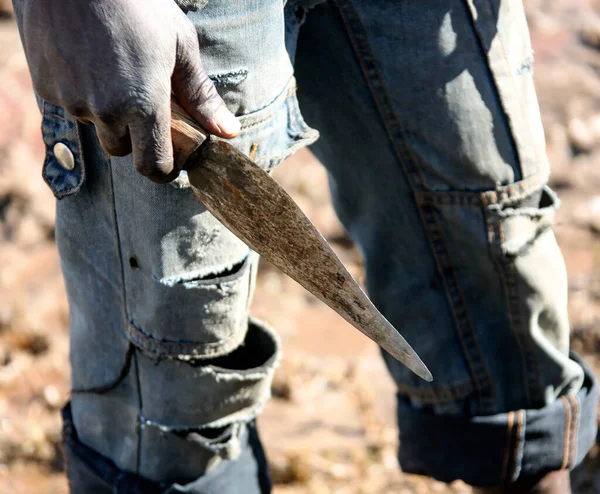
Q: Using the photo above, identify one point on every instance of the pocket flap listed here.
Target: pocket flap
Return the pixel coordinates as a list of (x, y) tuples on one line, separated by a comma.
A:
[(63, 169)]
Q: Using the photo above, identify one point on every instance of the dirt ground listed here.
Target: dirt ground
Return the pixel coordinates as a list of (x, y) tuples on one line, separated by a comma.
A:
[(330, 426)]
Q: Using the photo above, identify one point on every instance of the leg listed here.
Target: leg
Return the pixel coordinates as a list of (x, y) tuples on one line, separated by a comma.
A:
[(433, 143), (168, 372)]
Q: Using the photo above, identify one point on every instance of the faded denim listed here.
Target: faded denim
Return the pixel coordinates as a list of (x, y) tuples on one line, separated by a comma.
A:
[(432, 138)]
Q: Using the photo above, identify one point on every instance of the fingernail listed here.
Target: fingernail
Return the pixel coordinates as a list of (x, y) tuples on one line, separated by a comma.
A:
[(225, 120)]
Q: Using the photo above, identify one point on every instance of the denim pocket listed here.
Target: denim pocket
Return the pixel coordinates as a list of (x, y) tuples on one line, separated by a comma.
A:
[(505, 281), (194, 317), (64, 167), (271, 134)]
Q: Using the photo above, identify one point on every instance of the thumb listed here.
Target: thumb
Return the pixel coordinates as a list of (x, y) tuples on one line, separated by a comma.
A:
[(196, 92)]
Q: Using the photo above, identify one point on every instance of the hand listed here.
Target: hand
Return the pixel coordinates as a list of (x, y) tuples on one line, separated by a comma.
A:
[(114, 63)]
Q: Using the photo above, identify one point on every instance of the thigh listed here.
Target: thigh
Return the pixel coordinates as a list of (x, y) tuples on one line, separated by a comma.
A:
[(433, 143)]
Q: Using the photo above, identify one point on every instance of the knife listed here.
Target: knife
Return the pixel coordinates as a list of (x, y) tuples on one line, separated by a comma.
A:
[(255, 208)]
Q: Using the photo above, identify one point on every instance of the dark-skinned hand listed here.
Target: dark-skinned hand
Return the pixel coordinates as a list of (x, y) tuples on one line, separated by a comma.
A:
[(115, 64)]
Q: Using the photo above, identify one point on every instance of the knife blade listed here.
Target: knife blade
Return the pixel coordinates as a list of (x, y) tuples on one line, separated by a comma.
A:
[(254, 207)]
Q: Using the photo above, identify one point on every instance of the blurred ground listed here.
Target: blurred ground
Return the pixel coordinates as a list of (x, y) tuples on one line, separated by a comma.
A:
[(330, 427)]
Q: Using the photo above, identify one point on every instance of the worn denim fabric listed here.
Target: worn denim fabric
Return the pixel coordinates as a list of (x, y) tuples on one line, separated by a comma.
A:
[(433, 143), (431, 134)]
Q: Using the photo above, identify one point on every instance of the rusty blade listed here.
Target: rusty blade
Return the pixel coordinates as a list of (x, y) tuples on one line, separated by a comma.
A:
[(256, 209)]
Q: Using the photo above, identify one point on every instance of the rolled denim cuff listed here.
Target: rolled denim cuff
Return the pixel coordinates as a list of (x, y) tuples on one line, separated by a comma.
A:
[(491, 450), (89, 472)]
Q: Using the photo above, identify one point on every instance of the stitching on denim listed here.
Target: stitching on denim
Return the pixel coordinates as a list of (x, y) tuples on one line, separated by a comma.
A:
[(303, 134), (140, 413), (449, 198), (149, 341), (518, 323), (511, 295), (124, 309), (519, 443), (495, 234), (437, 395), (112, 385), (82, 166), (574, 428), (512, 193), (504, 195), (271, 105), (66, 126), (507, 448), (457, 306), (480, 373), (506, 268), (567, 439)]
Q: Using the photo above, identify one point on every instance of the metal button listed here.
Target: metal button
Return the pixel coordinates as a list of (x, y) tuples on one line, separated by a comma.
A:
[(64, 156)]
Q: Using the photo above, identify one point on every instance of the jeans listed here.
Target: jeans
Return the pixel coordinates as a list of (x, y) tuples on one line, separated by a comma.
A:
[(433, 143)]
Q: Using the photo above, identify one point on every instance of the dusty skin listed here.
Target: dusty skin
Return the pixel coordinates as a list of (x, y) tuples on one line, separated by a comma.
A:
[(330, 426)]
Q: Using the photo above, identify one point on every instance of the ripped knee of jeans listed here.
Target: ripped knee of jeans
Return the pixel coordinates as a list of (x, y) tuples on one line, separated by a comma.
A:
[(522, 222), (197, 410)]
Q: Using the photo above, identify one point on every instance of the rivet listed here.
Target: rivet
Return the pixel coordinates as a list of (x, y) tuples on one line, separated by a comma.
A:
[(64, 156)]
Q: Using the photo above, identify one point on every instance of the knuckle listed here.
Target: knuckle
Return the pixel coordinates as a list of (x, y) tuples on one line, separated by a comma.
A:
[(154, 173), (109, 116), (78, 109)]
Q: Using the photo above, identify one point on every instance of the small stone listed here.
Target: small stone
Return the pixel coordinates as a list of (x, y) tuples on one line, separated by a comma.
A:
[(581, 135), (6, 9), (590, 34), (52, 396)]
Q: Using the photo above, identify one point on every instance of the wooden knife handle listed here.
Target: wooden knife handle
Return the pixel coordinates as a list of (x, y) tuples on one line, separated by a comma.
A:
[(186, 134)]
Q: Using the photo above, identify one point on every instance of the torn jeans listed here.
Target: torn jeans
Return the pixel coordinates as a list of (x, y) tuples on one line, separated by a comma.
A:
[(432, 139)]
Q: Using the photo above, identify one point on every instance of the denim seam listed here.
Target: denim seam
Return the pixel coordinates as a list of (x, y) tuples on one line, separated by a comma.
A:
[(303, 133), (519, 445), (140, 413), (479, 372), (506, 270), (147, 341), (271, 106), (503, 195), (567, 439), (81, 157), (110, 386), (507, 447), (468, 340), (124, 306), (575, 428), (515, 320), (531, 364), (437, 395)]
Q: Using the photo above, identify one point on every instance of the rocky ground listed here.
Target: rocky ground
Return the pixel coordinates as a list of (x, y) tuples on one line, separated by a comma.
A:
[(330, 427)]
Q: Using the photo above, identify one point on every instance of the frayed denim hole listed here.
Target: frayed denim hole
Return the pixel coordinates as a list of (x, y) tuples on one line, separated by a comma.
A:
[(534, 214), (222, 275), (231, 78)]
